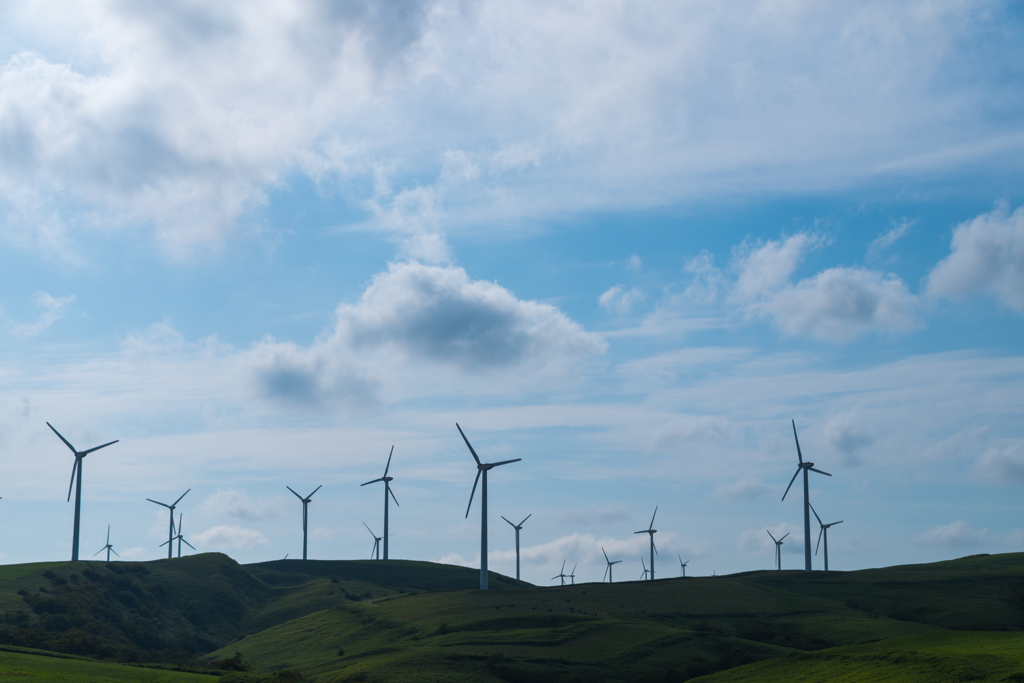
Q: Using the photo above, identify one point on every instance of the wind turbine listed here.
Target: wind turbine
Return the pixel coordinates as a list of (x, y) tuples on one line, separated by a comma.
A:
[(643, 577), (517, 528), (481, 468), (305, 516), (823, 532), (651, 530), (608, 570), (110, 549), (387, 489), (376, 542), (561, 574), (778, 550), (807, 500), (682, 566), (179, 538), (76, 471), (572, 575), (170, 532)]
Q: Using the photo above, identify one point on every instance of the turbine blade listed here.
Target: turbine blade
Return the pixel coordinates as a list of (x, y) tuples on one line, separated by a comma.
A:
[(654, 546), (605, 555), (562, 570), (99, 551), (812, 469), (642, 531), (74, 471), (605, 573), (373, 482), (473, 493), (787, 534), (468, 444), (369, 529), (66, 442), (293, 491), (510, 523), (616, 561), (114, 551), (525, 518), (652, 517), (166, 542), (505, 462), (791, 483), (158, 503), (108, 534), (770, 534), (84, 453), (315, 490), (818, 544), (798, 453), (834, 523), (187, 543), (573, 572), (388, 466), (815, 514), (392, 495), (180, 497)]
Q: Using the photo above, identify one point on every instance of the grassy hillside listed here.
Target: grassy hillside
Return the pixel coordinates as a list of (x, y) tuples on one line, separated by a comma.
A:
[(762, 625), (70, 669)]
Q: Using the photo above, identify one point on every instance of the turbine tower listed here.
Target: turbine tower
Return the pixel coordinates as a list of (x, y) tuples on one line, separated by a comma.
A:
[(387, 490), (76, 474), (682, 566), (608, 570), (807, 499), (481, 469), (561, 574), (572, 575), (823, 532), (651, 530), (778, 550), (376, 542), (170, 532), (110, 549), (305, 515), (179, 538), (517, 528), (643, 577)]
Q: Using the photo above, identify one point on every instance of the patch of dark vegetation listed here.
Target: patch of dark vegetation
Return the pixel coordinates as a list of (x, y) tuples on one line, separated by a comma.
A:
[(786, 635)]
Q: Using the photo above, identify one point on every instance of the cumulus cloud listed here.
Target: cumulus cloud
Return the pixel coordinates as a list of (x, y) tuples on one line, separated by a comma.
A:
[(1002, 463), (837, 304), (957, 534), (53, 309), (234, 503), (223, 536), (618, 299), (849, 435), (423, 313), (987, 257), (742, 489)]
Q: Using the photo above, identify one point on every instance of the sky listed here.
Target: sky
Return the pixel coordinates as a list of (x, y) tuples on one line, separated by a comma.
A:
[(262, 243)]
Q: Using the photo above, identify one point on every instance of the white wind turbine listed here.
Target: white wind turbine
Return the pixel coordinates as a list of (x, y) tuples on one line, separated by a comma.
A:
[(651, 530), (387, 490), (804, 466), (608, 570)]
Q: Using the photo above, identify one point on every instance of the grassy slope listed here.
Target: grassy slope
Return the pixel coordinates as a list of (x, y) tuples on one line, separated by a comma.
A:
[(620, 631), (72, 669)]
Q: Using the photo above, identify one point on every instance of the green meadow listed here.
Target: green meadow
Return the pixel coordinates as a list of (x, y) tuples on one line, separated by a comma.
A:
[(289, 620)]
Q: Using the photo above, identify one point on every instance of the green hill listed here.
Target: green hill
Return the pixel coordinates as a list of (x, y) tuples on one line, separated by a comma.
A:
[(419, 621)]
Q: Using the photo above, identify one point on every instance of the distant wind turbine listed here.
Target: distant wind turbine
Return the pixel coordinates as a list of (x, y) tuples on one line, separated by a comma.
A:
[(376, 542), (387, 490), (778, 550), (109, 548), (305, 515), (561, 574), (823, 532), (179, 538), (643, 577), (651, 530), (170, 532), (608, 570), (682, 566), (572, 575), (807, 499), (481, 469), (517, 528), (76, 474)]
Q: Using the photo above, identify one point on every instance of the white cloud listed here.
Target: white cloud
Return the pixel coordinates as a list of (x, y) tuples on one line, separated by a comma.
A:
[(708, 281), (53, 309), (234, 503), (1002, 463), (618, 299), (132, 553), (456, 559), (987, 256), (415, 312), (635, 263), (848, 433), (743, 489), (223, 537), (882, 243), (765, 267), (957, 534)]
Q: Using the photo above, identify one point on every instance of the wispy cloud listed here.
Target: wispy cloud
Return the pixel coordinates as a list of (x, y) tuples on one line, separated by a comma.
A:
[(53, 309), (958, 534)]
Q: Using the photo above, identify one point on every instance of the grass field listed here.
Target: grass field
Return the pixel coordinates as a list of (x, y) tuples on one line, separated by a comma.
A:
[(418, 621), (37, 667)]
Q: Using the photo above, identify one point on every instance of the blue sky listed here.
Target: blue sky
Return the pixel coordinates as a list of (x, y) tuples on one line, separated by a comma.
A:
[(260, 243)]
